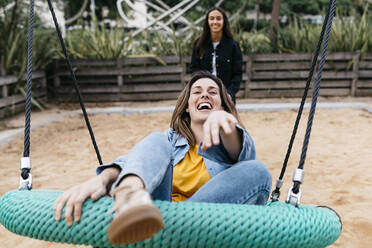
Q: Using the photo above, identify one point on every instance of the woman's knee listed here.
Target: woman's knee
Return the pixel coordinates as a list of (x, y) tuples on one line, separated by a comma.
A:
[(262, 180), (258, 168)]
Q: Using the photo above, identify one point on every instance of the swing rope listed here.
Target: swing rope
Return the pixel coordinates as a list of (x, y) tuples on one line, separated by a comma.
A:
[(299, 174), (276, 193), (26, 151), (296, 186), (26, 177), (77, 89), (25, 181)]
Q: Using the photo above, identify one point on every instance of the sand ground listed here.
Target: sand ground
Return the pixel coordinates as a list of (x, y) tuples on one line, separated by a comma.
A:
[(338, 168)]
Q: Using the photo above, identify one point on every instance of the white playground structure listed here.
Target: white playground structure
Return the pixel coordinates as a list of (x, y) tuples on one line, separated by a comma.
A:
[(139, 15)]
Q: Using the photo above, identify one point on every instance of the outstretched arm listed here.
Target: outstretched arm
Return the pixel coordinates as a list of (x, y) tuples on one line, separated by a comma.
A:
[(222, 124), (75, 197)]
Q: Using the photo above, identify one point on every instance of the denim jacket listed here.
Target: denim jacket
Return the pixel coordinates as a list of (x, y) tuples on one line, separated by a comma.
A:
[(215, 158)]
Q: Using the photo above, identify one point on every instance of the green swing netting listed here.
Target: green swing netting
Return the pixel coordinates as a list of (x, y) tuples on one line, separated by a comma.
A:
[(30, 213)]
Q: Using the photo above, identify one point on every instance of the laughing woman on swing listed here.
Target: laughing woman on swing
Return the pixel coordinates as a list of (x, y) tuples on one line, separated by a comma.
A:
[(205, 156)]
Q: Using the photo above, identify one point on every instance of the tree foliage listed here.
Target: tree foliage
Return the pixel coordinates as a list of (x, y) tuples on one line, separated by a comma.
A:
[(287, 7), (312, 7), (13, 40), (72, 7)]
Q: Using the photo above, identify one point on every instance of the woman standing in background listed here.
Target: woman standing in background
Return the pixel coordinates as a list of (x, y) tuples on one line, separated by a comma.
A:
[(216, 51)]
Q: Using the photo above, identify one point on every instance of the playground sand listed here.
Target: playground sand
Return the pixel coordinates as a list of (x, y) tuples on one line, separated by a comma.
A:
[(338, 166)]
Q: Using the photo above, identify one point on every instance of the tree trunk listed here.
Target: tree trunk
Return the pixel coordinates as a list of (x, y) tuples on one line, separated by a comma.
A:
[(257, 13), (12, 19), (93, 15), (274, 25)]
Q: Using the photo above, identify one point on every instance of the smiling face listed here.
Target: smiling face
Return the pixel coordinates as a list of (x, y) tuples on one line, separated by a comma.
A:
[(204, 98), (215, 21)]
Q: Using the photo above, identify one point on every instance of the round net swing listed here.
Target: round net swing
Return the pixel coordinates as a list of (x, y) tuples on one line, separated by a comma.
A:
[(30, 213)]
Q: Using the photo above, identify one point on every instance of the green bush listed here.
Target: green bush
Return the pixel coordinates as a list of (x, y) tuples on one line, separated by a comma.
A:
[(13, 42), (352, 34), (299, 37), (101, 44), (349, 34), (247, 25), (113, 43)]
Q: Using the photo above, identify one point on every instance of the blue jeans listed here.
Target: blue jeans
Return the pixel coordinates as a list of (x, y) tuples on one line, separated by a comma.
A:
[(246, 182)]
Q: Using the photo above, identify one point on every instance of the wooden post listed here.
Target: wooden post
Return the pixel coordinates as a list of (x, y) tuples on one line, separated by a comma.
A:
[(56, 79), (43, 81), (120, 71), (248, 71), (4, 91), (183, 71), (12, 106), (354, 81)]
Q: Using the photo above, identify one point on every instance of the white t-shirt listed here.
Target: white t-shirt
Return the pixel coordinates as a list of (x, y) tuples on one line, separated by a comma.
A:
[(214, 70)]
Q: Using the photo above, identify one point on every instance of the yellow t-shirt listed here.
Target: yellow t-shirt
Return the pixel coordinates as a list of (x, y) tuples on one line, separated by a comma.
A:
[(189, 175)]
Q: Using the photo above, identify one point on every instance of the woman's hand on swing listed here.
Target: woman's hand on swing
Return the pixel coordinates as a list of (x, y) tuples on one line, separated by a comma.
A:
[(75, 197), (222, 124)]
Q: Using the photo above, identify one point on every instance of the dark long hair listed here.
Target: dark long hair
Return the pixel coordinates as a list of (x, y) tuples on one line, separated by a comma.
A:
[(181, 121), (206, 33)]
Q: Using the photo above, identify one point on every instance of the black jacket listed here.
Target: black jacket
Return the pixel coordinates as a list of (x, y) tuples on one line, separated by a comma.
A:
[(228, 62)]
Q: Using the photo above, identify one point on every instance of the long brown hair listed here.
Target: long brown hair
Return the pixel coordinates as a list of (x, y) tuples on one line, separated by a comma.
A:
[(180, 121), (206, 33)]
